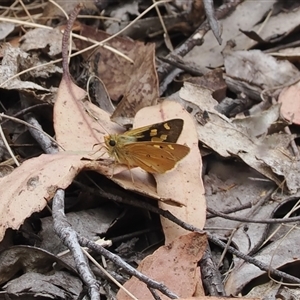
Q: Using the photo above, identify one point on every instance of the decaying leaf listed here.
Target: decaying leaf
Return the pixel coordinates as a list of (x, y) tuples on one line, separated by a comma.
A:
[(184, 183), (176, 265), (289, 97), (262, 154), (258, 68), (27, 259), (52, 11), (10, 66), (48, 40), (135, 85), (279, 254), (30, 186), (80, 125)]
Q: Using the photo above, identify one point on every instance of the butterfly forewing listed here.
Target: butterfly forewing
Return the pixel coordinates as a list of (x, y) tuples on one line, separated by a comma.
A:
[(168, 131)]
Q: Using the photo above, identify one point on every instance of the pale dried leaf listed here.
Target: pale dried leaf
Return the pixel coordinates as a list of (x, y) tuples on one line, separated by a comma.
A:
[(176, 265), (233, 184), (80, 125), (259, 124), (6, 29), (259, 69), (136, 85), (10, 66), (289, 97), (278, 254), (142, 87), (262, 153), (209, 55), (52, 11), (184, 182), (49, 40), (30, 186)]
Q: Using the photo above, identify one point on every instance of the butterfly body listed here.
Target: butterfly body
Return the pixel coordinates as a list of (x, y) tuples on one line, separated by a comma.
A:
[(151, 148)]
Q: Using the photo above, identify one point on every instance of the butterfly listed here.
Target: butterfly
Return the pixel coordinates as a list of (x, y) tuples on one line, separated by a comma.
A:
[(152, 148)]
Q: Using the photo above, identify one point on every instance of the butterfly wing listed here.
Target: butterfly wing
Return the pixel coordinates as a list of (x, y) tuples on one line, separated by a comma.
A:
[(168, 131), (153, 157)]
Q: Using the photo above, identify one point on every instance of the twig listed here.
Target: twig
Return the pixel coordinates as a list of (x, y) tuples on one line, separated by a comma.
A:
[(166, 214), (231, 210), (39, 135), (129, 269), (210, 275), (246, 220), (24, 111), (61, 226), (2, 115), (213, 22), (69, 238), (195, 39), (2, 135), (108, 275)]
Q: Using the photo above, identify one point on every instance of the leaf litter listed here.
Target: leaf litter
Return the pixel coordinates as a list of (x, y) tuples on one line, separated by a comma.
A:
[(245, 157)]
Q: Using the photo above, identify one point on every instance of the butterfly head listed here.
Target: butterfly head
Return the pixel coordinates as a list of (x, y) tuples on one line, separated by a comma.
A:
[(110, 141)]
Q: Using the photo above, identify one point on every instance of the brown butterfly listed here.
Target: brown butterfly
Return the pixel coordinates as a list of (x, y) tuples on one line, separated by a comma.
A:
[(152, 148)]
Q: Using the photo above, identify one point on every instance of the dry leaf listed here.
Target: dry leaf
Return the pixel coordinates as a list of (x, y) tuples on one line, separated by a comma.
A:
[(13, 59), (184, 183), (262, 154), (142, 87), (290, 108), (80, 125), (279, 254), (176, 265), (137, 84), (52, 11), (48, 40), (30, 186), (259, 69)]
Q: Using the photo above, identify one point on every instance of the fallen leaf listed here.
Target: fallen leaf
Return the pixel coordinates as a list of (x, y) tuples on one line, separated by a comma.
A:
[(136, 85), (262, 154), (30, 186), (52, 11), (27, 259), (10, 65), (176, 265), (80, 125), (259, 124), (290, 108), (5, 29), (257, 69), (184, 182), (49, 40), (279, 253)]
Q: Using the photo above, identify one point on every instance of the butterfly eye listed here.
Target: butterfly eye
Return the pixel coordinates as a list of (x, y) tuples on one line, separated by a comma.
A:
[(112, 143)]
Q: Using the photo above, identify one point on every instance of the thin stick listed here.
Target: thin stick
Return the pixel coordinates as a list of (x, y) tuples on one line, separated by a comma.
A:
[(2, 115), (8, 147)]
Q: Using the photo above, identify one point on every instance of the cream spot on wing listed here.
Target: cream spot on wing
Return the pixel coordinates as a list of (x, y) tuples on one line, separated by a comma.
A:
[(153, 132), (163, 137), (167, 127)]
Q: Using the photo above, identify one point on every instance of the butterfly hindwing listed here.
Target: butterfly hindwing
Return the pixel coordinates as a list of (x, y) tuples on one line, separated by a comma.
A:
[(154, 157)]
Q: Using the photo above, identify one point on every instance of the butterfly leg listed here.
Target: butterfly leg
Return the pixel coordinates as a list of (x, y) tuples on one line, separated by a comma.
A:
[(93, 153)]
